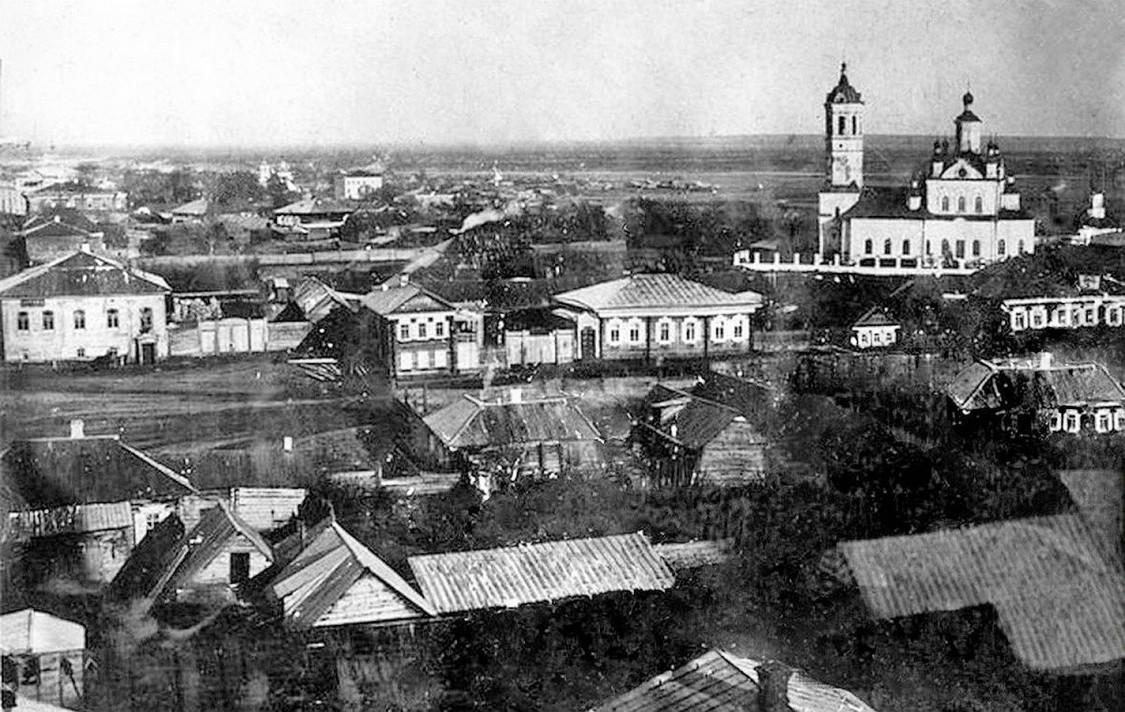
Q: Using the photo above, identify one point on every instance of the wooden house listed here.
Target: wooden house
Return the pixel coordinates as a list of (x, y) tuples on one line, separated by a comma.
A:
[(538, 336), (44, 658)]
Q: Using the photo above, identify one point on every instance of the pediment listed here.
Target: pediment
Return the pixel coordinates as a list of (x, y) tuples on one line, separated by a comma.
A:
[(961, 170)]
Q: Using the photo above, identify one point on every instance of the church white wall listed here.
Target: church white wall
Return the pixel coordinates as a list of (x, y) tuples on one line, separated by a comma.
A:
[(987, 190)]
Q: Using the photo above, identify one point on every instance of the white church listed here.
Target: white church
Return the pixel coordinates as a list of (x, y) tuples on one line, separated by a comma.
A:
[(960, 210)]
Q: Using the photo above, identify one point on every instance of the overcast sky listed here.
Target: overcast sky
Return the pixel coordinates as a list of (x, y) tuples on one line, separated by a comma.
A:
[(285, 72)]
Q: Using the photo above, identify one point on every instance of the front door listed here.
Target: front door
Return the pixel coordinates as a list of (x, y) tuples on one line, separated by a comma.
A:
[(239, 567), (148, 354), (589, 344)]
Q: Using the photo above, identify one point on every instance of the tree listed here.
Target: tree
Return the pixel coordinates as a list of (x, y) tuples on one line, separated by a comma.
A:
[(237, 190)]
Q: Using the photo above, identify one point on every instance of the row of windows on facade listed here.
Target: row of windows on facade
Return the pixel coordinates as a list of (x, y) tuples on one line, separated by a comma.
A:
[(1066, 316), (664, 332), (978, 204), (421, 330), (112, 319), (958, 251), (875, 337), (1105, 420), (421, 360)]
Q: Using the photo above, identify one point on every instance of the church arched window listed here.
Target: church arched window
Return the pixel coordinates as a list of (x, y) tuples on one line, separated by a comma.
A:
[(906, 247), (979, 204), (961, 204), (945, 203), (1021, 247), (855, 126), (945, 247), (976, 246), (843, 124), (886, 247), (1000, 247), (867, 247)]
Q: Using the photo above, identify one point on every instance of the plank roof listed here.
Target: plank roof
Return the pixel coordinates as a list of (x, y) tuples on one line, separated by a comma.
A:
[(194, 208), (473, 423), (406, 298), (655, 290), (332, 567), (983, 384), (56, 472), (718, 681), (81, 274), (72, 519), (532, 573), (34, 632), (1056, 595)]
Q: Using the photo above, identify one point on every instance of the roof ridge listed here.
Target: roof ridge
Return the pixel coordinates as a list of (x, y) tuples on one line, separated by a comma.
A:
[(388, 575)]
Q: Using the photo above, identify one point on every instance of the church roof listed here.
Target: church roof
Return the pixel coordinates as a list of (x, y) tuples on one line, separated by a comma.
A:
[(844, 92)]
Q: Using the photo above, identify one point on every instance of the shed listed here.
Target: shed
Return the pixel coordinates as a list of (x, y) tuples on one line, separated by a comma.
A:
[(48, 655)]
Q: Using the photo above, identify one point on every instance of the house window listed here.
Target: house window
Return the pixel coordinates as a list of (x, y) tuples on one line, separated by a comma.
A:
[(439, 329), (23, 323), (1019, 320), (1119, 419), (634, 333), (876, 338), (421, 331), (864, 339), (961, 204), (614, 334), (945, 203), (151, 520), (1113, 316), (48, 320), (81, 353), (665, 334), (886, 247), (906, 247), (720, 330), (1103, 422), (945, 247), (1001, 248), (1056, 421), (79, 319), (868, 247), (978, 205), (404, 332), (1071, 421), (146, 319), (1021, 247), (976, 248), (112, 319), (737, 330), (689, 332), (1037, 318)]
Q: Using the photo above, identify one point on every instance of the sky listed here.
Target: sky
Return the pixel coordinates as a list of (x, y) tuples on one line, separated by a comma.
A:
[(325, 72)]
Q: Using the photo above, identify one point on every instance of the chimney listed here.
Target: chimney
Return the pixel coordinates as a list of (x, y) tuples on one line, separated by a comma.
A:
[(403, 279), (773, 686), (77, 429), (287, 443), (1045, 359), (516, 395)]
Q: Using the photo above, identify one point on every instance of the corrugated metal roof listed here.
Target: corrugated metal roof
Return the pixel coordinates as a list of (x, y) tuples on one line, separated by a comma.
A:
[(533, 573), (74, 519), (720, 682), (331, 566), (1030, 570), (34, 632), (982, 385), (473, 423), (654, 290), (81, 274)]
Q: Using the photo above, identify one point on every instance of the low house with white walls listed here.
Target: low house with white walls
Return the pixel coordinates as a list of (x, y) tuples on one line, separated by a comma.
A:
[(1023, 395), (1095, 300), (875, 329), (655, 316)]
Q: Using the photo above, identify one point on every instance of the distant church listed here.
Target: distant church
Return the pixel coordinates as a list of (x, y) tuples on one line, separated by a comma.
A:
[(960, 209)]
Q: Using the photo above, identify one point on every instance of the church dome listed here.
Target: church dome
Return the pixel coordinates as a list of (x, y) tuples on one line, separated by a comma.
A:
[(844, 92)]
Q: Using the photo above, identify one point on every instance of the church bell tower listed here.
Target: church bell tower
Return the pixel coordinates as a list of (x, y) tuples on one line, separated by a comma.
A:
[(843, 117)]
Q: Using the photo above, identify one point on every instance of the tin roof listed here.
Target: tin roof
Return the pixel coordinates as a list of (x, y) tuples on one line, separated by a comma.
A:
[(720, 682), (1030, 570), (534, 573), (408, 298), (996, 384), (195, 208), (471, 422), (81, 274), (655, 290), (317, 206), (55, 472), (333, 566), (34, 632)]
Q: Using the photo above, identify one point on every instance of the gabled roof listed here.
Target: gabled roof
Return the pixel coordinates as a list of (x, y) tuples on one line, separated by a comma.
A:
[(407, 298), (690, 421), (473, 423), (998, 384), (194, 208), (81, 273), (653, 291), (720, 682), (1057, 597), (533, 573), (315, 587), (70, 216), (316, 206), (55, 228), (36, 633), (875, 316), (55, 472)]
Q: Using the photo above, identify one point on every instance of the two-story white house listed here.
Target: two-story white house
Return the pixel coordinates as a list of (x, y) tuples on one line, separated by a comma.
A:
[(83, 306), (653, 316)]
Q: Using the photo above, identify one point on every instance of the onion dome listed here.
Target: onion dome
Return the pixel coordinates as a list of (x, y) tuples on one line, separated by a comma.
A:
[(843, 92)]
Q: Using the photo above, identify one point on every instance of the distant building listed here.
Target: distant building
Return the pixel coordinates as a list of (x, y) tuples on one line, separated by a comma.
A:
[(191, 212), (46, 656), (1021, 396), (12, 200), (83, 306), (313, 218), (1095, 300), (710, 434), (654, 316), (1095, 221), (78, 196), (721, 682), (48, 237), (875, 329), (359, 183), (961, 209), (418, 332)]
